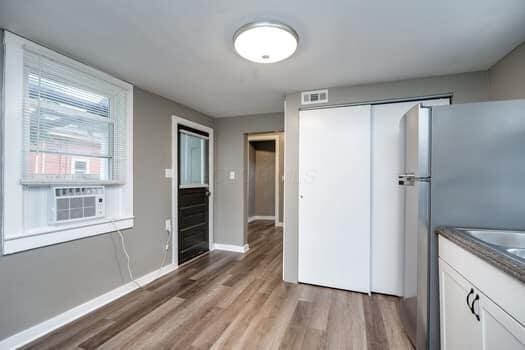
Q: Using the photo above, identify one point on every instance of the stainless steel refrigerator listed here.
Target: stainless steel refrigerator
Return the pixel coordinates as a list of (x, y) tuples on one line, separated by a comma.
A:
[(464, 166)]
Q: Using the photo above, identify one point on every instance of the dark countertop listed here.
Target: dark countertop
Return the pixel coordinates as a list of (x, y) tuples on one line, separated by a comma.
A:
[(485, 251)]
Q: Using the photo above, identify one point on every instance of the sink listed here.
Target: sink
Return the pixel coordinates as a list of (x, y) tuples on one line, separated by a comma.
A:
[(520, 253), (505, 239), (509, 242)]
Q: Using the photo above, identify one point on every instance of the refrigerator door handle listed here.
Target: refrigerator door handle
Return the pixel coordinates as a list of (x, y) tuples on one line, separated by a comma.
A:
[(406, 180), (410, 179)]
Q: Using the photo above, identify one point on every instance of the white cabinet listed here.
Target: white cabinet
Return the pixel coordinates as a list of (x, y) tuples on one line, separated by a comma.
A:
[(459, 327), (499, 330), (470, 319)]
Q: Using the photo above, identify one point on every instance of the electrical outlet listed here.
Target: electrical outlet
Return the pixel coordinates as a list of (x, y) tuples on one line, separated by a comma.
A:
[(232, 175), (167, 225), (168, 173)]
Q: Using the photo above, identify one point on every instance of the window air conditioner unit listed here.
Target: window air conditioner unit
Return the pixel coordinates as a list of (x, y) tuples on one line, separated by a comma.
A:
[(69, 204)]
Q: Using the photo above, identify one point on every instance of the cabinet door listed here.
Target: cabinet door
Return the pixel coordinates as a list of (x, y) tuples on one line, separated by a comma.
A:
[(459, 327), (499, 330)]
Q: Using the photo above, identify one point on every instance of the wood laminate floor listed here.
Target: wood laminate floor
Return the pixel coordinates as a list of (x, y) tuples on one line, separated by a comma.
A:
[(229, 300)]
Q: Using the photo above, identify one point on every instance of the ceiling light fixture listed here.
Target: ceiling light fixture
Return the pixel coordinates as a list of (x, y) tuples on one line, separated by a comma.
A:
[(265, 42)]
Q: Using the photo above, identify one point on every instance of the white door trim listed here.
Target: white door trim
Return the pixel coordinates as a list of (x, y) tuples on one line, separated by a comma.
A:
[(175, 122), (276, 139)]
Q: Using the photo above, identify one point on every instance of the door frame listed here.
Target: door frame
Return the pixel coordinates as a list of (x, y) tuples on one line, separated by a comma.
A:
[(175, 122), (276, 138)]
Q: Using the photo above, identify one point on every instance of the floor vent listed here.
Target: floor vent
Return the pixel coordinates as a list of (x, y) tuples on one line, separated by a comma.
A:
[(313, 97)]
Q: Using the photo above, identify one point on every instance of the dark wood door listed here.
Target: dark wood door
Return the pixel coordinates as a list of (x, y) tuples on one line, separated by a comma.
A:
[(193, 223), (193, 194)]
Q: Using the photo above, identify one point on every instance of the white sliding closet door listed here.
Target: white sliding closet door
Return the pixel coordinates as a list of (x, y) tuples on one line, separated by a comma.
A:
[(388, 238), (334, 204)]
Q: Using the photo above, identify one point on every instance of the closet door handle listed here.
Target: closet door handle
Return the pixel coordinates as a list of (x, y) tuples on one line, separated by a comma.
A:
[(472, 307), (468, 298)]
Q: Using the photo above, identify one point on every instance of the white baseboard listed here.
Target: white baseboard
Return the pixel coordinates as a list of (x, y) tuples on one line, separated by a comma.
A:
[(279, 224), (41, 329), (231, 247), (259, 217)]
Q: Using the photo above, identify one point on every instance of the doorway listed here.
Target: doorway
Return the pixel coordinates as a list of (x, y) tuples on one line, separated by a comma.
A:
[(264, 177), (192, 189)]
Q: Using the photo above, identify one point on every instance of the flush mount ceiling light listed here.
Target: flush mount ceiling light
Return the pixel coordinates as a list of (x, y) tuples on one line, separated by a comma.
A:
[(265, 42)]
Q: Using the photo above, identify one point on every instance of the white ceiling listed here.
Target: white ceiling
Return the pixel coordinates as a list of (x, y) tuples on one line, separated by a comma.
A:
[(183, 49)]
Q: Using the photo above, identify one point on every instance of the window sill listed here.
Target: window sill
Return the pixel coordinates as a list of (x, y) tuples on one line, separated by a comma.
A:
[(70, 183), (63, 233)]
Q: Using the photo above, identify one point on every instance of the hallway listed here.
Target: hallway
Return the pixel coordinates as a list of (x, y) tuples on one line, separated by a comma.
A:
[(226, 300)]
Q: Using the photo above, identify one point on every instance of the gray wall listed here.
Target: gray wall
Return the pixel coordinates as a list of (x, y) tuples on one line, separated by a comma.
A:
[(262, 190), (507, 77), (41, 283), (230, 150), (468, 87)]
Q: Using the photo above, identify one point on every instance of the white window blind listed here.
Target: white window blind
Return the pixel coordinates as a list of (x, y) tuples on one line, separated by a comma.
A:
[(71, 116)]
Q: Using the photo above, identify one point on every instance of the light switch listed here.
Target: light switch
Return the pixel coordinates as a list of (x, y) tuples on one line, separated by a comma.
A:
[(232, 175), (168, 173)]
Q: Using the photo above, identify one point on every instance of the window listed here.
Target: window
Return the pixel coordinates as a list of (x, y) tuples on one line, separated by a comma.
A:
[(66, 124), (193, 159), (67, 114)]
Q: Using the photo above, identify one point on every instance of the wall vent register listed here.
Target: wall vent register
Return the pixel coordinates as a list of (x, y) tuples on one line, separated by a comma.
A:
[(313, 97), (70, 204)]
